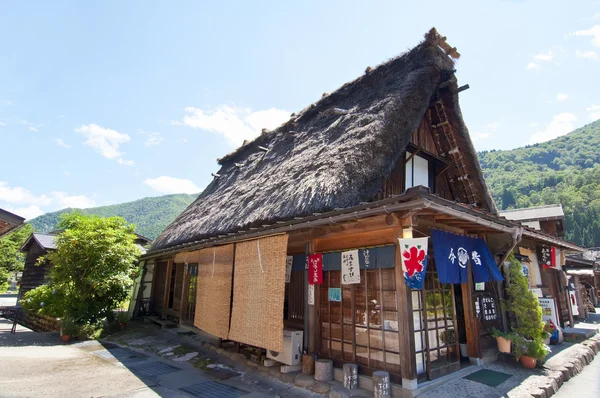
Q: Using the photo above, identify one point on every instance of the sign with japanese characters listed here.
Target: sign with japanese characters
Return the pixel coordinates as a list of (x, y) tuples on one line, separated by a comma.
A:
[(311, 294), (413, 253), (548, 310), (453, 253), (488, 308), (350, 267), (289, 261), (547, 256), (315, 269)]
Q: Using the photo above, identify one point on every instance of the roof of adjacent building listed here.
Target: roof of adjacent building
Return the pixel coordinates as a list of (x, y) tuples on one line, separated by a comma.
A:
[(9, 221), (332, 155), (540, 213), (45, 241)]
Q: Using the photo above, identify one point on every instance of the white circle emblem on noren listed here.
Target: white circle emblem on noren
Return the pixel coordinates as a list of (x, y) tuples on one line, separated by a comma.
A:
[(463, 257)]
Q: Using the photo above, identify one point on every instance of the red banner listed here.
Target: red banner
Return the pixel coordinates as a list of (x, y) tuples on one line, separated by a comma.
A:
[(315, 269)]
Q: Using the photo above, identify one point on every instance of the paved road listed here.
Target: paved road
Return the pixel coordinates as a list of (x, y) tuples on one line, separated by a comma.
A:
[(585, 384), (7, 300)]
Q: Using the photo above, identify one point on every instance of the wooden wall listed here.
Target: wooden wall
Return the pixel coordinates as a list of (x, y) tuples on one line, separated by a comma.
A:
[(33, 275)]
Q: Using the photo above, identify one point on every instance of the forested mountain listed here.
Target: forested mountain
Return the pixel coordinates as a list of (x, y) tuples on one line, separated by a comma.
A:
[(150, 215), (565, 170)]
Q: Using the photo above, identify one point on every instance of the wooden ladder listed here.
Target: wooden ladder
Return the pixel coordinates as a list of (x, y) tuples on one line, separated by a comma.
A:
[(451, 151)]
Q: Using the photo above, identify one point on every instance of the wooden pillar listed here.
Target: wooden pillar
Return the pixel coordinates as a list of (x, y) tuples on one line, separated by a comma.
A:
[(167, 286), (185, 289), (313, 319), (406, 334), (471, 321)]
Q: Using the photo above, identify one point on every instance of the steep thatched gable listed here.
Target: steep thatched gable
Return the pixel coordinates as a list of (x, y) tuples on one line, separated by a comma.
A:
[(334, 154)]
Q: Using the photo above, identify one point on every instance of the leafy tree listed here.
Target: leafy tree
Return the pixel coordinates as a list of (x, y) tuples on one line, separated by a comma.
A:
[(11, 259), (92, 272)]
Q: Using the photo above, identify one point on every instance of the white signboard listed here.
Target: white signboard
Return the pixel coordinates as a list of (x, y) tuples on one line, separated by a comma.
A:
[(573, 298), (548, 310), (288, 268), (350, 267), (311, 294)]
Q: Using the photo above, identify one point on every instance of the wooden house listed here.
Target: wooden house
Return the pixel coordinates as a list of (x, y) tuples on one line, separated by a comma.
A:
[(36, 273), (300, 230), (9, 221), (584, 272), (547, 277)]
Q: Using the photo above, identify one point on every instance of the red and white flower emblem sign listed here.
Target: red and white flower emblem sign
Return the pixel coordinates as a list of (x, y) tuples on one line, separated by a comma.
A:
[(413, 253)]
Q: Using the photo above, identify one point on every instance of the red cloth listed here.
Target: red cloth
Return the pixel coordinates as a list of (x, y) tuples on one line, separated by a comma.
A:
[(315, 269)]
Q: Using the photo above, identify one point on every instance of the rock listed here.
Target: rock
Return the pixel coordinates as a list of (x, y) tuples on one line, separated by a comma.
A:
[(287, 377), (338, 392), (304, 381), (320, 387), (324, 370)]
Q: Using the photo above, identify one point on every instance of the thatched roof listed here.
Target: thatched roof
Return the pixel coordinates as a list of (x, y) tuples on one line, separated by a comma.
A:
[(333, 154)]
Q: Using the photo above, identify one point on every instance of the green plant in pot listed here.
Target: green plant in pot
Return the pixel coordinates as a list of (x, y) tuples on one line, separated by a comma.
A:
[(449, 338), (68, 329), (122, 318), (528, 326), (503, 339)]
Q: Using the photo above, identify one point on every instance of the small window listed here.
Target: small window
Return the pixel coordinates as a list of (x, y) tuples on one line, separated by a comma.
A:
[(417, 171)]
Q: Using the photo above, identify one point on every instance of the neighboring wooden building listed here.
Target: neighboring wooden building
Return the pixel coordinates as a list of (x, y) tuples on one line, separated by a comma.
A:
[(584, 270), (549, 280), (383, 158), (36, 273), (9, 221)]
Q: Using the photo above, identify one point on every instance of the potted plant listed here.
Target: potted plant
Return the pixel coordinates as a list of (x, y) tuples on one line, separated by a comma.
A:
[(122, 318), (528, 352), (68, 329), (503, 339)]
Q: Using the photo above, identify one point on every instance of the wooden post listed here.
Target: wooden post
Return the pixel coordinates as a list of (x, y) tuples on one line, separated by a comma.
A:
[(184, 295), (324, 370), (406, 341), (350, 376), (167, 286), (471, 321), (313, 326), (308, 364), (381, 385)]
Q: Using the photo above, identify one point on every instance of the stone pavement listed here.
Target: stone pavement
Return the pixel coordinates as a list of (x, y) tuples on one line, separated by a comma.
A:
[(39, 365)]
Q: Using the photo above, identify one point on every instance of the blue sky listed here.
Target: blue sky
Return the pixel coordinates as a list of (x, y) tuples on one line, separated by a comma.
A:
[(107, 102)]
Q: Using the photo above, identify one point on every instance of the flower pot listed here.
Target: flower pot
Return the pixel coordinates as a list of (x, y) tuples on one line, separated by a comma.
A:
[(464, 350), (503, 345), (65, 338), (528, 362)]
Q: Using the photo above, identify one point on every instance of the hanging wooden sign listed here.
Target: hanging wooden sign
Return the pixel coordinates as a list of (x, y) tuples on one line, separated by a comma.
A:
[(350, 267), (315, 269), (547, 256)]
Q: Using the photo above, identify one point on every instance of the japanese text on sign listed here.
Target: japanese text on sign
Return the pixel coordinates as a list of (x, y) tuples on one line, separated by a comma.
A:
[(350, 267)]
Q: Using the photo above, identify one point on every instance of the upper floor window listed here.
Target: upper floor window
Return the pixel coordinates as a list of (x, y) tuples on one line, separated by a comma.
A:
[(417, 171)]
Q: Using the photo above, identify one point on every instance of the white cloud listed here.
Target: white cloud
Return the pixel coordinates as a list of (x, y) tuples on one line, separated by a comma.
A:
[(28, 205), (562, 97), (533, 66), (476, 137), (586, 55), (544, 57), (28, 212), (60, 142), (105, 141), (492, 126), (63, 200), (8, 102), (594, 32), (152, 138), (2, 124), (235, 124), (594, 112), (30, 126), (561, 124), (21, 195), (165, 184), (534, 124), (596, 16)]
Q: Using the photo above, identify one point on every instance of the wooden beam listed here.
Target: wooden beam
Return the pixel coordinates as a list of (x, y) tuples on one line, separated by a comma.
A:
[(406, 340), (167, 286), (357, 240), (471, 321), (314, 326)]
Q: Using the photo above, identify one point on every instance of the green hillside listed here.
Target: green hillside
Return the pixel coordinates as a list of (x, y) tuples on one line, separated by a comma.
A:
[(565, 170), (150, 215)]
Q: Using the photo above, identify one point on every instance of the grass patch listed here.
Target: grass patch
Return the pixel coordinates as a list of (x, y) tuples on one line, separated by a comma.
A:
[(182, 350), (200, 363)]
